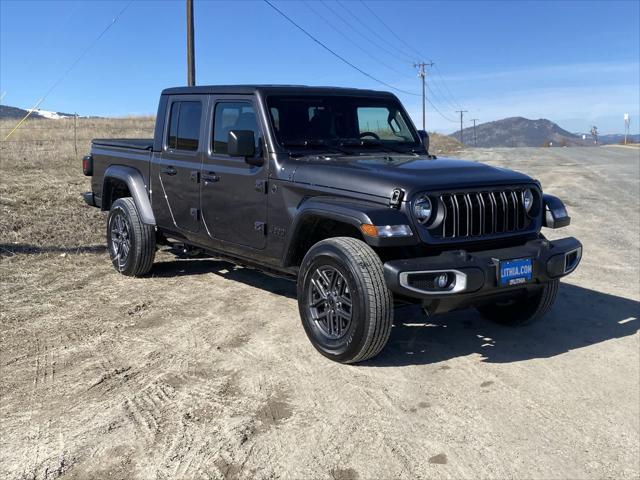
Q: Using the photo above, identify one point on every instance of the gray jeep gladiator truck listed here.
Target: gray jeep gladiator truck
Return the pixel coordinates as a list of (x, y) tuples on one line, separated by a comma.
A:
[(333, 187)]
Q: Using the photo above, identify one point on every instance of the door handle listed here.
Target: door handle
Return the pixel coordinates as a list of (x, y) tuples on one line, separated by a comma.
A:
[(210, 177), (169, 170)]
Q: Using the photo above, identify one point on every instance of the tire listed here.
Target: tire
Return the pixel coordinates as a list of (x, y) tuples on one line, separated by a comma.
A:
[(523, 311), (131, 243), (361, 284)]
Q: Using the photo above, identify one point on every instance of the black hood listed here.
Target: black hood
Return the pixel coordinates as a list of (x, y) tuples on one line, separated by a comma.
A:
[(379, 175)]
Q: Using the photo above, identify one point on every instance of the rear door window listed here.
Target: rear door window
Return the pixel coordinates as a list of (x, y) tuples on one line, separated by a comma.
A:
[(184, 126)]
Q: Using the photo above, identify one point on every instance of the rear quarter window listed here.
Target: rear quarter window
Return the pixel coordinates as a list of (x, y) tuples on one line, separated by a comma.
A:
[(184, 126)]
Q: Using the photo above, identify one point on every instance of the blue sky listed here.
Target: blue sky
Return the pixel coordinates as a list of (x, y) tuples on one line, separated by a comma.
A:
[(576, 63)]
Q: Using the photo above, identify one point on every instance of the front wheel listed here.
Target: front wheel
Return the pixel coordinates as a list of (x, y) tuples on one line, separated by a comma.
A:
[(522, 311), (132, 244), (345, 306)]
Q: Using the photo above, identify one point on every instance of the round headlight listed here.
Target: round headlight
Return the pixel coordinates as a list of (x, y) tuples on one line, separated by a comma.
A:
[(422, 209), (528, 199)]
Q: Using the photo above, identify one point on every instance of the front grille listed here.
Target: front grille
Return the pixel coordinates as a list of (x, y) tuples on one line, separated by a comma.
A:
[(483, 213)]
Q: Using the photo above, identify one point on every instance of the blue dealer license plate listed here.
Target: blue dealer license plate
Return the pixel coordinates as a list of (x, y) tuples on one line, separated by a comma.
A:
[(515, 272)]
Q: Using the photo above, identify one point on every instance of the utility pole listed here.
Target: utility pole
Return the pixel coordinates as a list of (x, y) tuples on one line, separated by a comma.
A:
[(191, 62), (422, 73), (475, 138), (627, 121), (461, 112)]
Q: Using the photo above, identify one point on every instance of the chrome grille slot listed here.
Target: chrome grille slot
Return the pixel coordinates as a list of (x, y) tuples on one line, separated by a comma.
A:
[(482, 213)]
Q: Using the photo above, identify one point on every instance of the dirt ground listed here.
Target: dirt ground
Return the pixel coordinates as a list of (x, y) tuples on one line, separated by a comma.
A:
[(203, 369)]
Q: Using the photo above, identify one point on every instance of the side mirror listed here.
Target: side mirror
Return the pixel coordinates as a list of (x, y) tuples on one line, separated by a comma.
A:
[(424, 137), (242, 143)]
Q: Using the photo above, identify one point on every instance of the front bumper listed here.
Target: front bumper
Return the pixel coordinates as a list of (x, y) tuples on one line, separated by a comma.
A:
[(476, 274)]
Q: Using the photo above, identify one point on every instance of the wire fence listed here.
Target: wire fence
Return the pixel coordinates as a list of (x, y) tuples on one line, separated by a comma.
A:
[(70, 133)]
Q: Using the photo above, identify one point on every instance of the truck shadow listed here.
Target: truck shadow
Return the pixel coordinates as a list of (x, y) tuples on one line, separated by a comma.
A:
[(227, 270), (580, 317)]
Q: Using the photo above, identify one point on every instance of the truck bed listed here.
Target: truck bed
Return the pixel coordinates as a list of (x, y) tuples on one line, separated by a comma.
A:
[(133, 143)]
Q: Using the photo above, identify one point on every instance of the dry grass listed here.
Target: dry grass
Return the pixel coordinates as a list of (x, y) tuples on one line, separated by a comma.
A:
[(443, 144), (41, 181)]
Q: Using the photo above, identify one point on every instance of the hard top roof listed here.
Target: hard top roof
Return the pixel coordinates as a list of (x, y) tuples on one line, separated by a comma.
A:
[(272, 89)]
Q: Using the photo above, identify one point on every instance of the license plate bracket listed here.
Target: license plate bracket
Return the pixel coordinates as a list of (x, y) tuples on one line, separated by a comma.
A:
[(515, 271)]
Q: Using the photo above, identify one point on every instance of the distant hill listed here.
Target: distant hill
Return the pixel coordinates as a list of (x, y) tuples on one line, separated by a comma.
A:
[(15, 113), (520, 132), (12, 113)]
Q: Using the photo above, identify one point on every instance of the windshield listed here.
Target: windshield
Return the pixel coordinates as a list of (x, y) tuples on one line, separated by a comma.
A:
[(339, 122)]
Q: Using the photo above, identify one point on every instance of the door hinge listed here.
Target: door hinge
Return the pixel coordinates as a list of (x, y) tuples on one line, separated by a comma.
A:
[(195, 176), (261, 186), (260, 227)]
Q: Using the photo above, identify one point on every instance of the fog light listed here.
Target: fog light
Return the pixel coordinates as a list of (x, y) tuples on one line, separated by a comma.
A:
[(442, 280)]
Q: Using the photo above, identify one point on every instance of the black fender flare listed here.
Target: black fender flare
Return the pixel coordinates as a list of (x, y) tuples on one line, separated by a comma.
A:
[(352, 212), (137, 187)]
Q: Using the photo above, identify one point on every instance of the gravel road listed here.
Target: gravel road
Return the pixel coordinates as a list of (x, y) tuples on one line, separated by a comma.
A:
[(204, 371)]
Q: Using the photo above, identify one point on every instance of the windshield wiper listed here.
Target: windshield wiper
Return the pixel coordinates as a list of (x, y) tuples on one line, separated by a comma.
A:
[(360, 142), (317, 144)]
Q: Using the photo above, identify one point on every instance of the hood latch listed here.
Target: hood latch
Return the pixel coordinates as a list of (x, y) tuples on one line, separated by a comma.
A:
[(397, 195)]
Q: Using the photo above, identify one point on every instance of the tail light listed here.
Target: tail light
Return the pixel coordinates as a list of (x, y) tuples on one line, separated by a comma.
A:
[(87, 165)]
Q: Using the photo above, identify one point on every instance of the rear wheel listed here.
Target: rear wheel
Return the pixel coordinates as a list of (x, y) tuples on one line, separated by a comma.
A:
[(522, 311), (344, 303), (132, 244)]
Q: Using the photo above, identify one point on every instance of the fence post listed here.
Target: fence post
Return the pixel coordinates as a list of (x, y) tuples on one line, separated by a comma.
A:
[(75, 132)]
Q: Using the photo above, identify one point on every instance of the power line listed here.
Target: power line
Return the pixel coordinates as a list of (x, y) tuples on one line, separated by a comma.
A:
[(395, 53), (441, 93), (351, 27), (391, 30), (447, 87), (368, 39), (450, 99), (76, 61), (344, 60), (353, 42), (454, 103), (436, 108), (338, 56)]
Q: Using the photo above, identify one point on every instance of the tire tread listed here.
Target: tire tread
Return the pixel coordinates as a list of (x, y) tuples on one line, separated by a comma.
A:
[(379, 299), (144, 239)]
